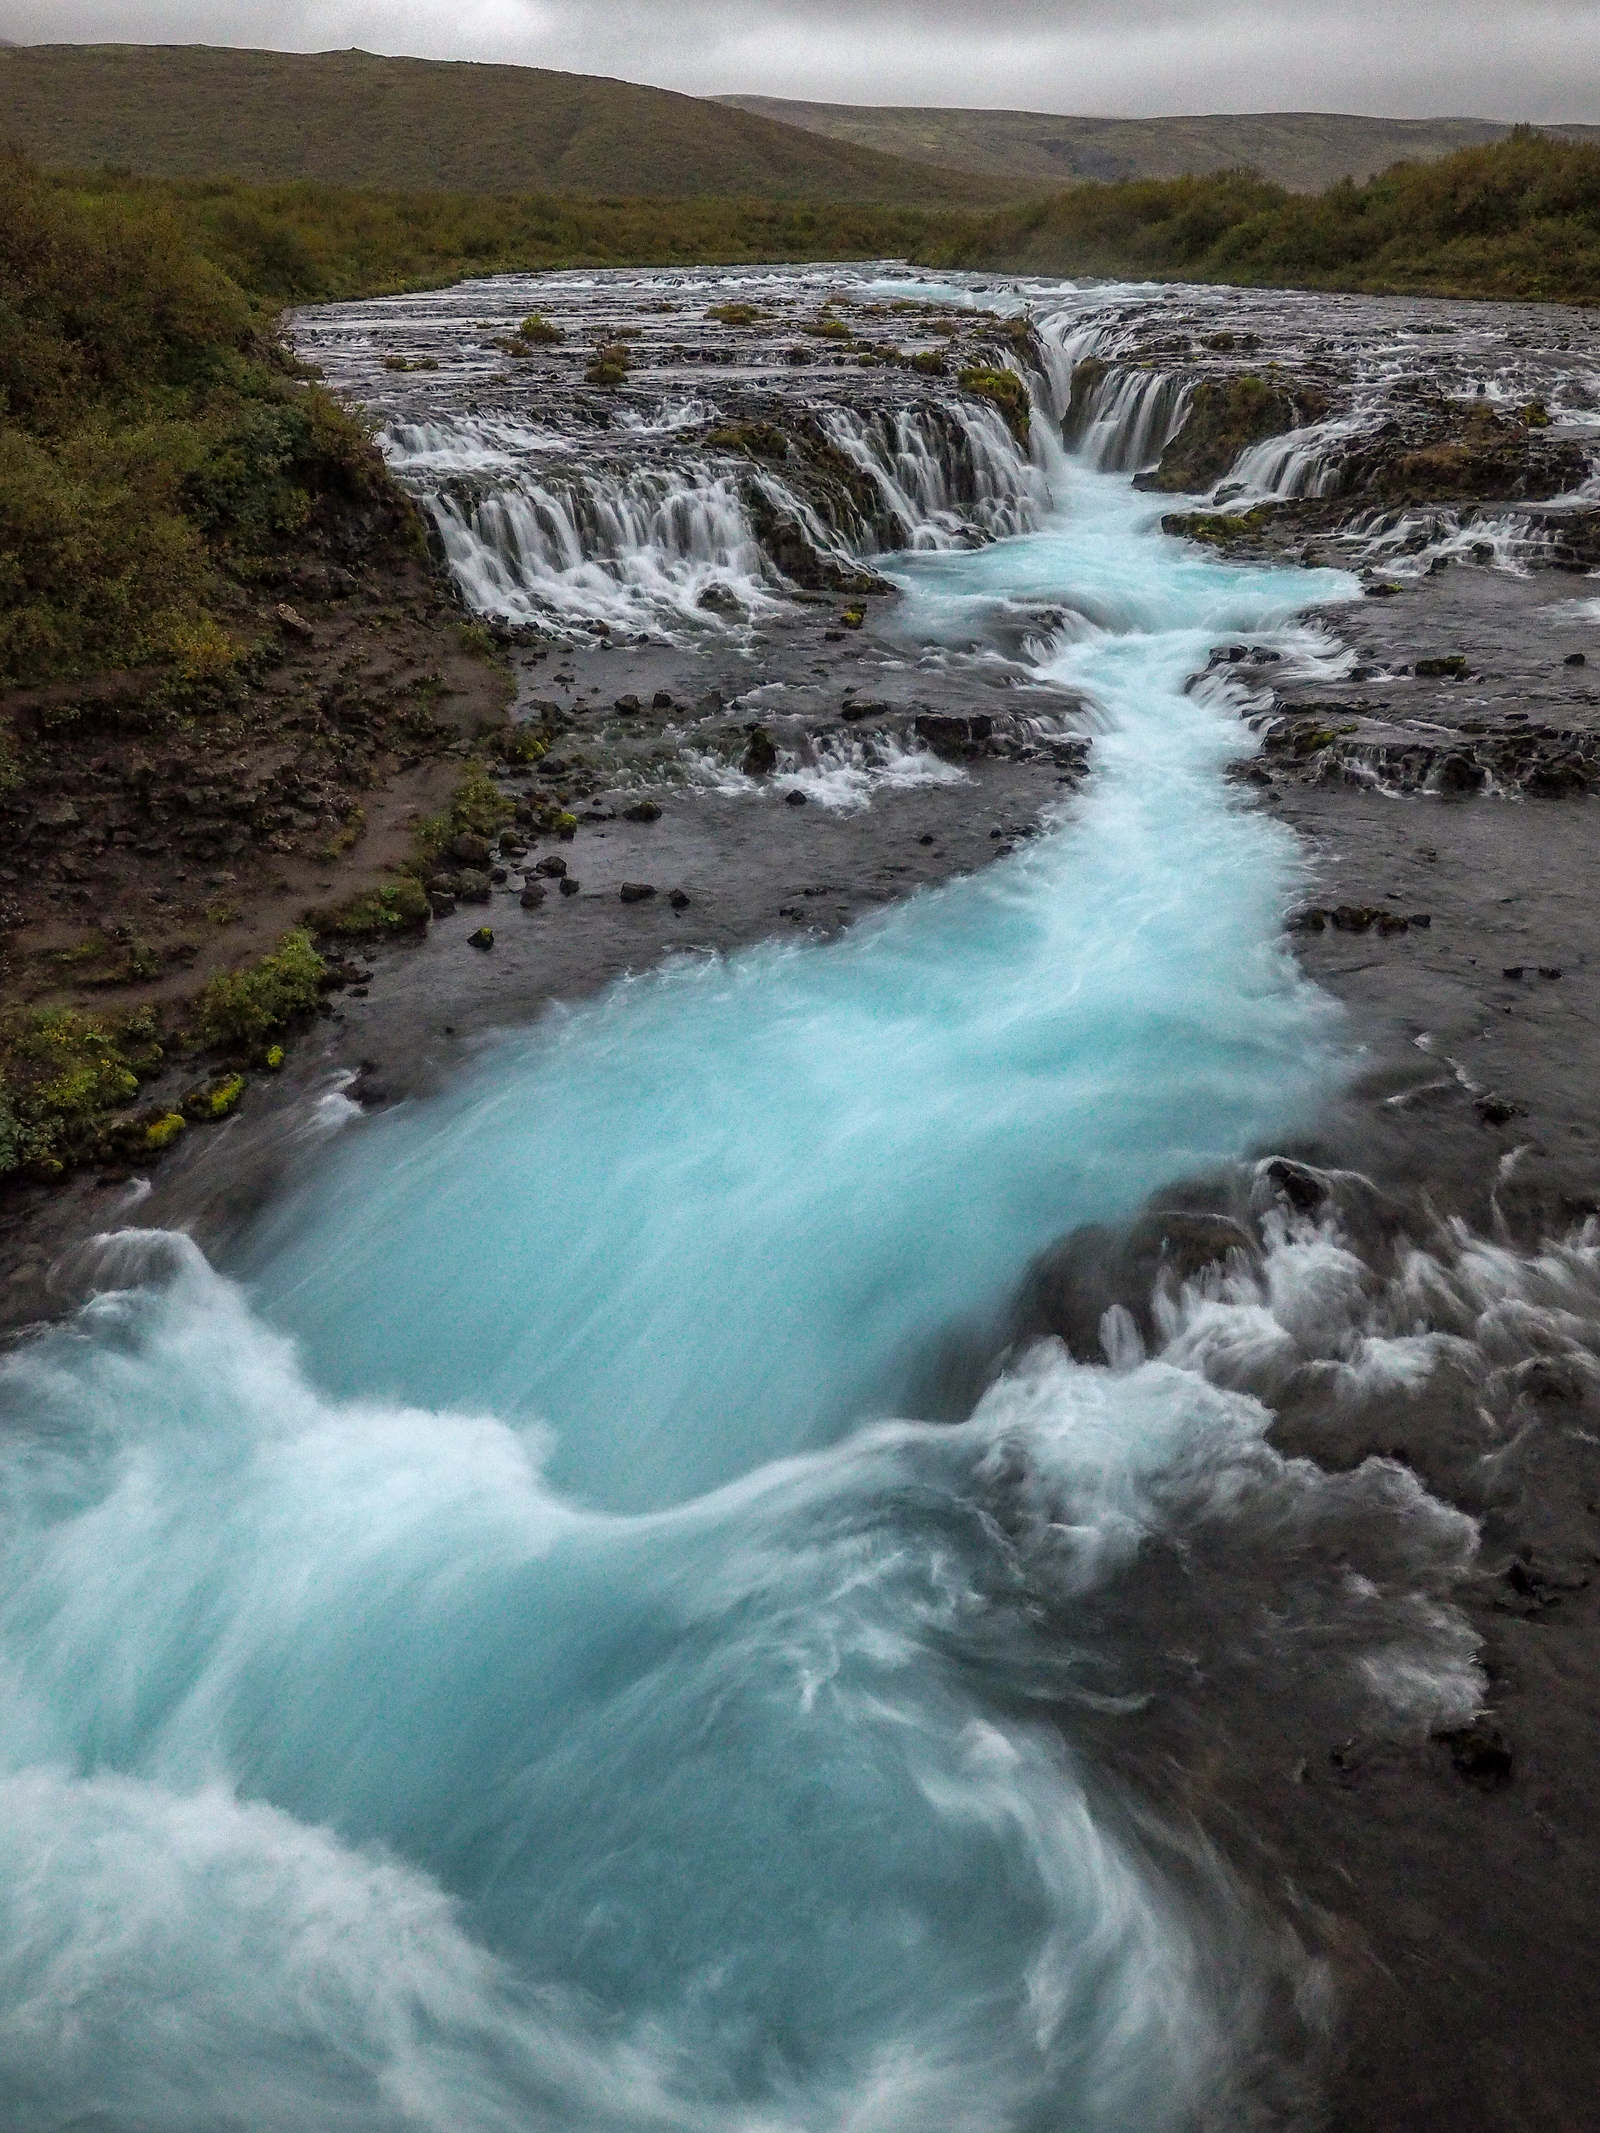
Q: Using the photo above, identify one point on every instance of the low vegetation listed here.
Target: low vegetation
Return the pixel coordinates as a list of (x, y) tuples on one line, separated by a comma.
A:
[(1517, 219), (154, 438)]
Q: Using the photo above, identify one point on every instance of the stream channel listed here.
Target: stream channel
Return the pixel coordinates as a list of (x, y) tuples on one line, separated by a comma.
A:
[(529, 1643)]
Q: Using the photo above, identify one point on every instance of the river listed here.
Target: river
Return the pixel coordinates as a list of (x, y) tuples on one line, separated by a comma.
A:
[(537, 1641)]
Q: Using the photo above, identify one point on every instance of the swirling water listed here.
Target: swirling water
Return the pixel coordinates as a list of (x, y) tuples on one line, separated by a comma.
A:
[(524, 1662)]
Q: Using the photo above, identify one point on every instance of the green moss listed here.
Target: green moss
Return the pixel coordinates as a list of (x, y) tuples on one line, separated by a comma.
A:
[(215, 1099), (930, 362), (1218, 529), (1007, 392), (525, 744), (609, 367), (244, 1007), (62, 1075), (735, 314), (396, 907), (162, 1132), (538, 330)]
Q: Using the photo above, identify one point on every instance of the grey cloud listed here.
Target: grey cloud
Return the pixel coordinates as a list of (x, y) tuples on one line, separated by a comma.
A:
[(1537, 60)]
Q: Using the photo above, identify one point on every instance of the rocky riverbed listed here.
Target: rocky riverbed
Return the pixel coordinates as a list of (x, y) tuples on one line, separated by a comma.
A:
[(680, 505)]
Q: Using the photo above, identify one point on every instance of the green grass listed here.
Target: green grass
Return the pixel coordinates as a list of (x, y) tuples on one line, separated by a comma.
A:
[(352, 119), (1519, 219)]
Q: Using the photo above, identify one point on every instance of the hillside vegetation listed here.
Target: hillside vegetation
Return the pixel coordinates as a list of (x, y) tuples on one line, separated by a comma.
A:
[(352, 119), (1518, 219), (152, 437), (1304, 151)]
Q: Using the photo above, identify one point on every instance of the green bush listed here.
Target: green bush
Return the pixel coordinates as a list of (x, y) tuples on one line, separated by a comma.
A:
[(244, 1007)]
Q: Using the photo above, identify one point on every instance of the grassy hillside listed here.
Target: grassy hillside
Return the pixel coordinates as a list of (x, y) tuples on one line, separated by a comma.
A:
[(1303, 151), (1519, 219), (350, 119)]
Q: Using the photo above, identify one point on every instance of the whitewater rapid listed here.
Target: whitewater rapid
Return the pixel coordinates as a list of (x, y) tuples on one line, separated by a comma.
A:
[(530, 1650)]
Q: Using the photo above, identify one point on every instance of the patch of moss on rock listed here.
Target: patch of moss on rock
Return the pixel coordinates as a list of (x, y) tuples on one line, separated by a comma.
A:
[(1007, 392), (1225, 417)]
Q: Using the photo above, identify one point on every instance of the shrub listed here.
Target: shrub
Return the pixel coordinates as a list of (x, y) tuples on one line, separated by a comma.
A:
[(245, 1006)]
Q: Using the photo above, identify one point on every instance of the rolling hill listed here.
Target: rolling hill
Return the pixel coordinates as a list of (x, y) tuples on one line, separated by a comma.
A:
[(352, 119), (1305, 151)]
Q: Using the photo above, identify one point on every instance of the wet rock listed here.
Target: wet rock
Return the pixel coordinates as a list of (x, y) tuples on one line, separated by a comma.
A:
[(442, 901), (856, 708), (1450, 667), (569, 886), (760, 756), (1481, 1753), (1070, 1287), (469, 850), (636, 892), (1562, 778), (533, 895), (498, 875), (1460, 774), (679, 900), (662, 700), (472, 886), (552, 864), (642, 811), (1574, 659), (796, 798), (1496, 1110), (483, 939), (1551, 1378), (1304, 1190), (954, 738), (629, 706)]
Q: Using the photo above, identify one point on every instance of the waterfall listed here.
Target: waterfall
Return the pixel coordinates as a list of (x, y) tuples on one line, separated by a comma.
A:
[(627, 546), (942, 472), (1128, 418)]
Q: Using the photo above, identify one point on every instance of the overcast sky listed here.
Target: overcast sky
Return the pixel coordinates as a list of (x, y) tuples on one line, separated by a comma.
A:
[(1535, 59)]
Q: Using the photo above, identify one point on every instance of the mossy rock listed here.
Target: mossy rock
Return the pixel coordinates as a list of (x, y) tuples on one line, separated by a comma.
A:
[(930, 362), (163, 1131), (537, 329), (609, 367), (524, 744), (735, 314), (1226, 416), (1449, 667), (215, 1099), (1218, 529), (1006, 391)]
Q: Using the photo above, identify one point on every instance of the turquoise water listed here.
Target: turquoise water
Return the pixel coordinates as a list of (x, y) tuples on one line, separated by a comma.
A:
[(503, 1669)]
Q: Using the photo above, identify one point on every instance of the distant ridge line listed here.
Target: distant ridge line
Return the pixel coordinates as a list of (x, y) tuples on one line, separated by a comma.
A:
[(1307, 151), (358, 119)]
